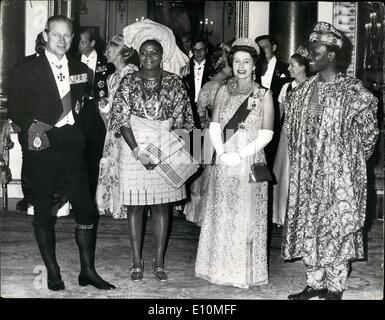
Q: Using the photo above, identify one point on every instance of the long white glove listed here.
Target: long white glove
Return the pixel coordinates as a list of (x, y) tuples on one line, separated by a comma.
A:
[(215, 132), (263, 138)]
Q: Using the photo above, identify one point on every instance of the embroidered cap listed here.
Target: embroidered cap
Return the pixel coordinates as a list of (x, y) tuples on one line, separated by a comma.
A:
[(325, 33), (246, 42)]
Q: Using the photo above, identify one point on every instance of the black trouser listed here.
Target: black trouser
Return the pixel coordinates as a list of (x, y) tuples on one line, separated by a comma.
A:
[(61, 164), (94, 133), (25, 184)]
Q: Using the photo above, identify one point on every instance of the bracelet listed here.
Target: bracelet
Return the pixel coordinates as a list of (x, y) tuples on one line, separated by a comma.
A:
[(135, 152)]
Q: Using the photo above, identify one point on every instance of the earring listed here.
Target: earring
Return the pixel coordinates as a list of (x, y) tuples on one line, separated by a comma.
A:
[(253, 75)]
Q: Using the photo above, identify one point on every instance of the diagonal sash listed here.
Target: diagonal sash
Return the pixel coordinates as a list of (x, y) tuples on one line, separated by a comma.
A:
[(232, 125), (239, 116)]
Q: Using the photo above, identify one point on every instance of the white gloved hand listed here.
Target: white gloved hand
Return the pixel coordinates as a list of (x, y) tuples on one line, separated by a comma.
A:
[(263, 138), (215, 132), (230, 159)]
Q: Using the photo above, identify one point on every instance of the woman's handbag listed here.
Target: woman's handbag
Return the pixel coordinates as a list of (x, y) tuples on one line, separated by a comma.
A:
[(259, 173)]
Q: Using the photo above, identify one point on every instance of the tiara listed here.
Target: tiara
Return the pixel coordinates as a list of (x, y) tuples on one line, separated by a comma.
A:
[(302, 51), (246, 42), (118, 39)]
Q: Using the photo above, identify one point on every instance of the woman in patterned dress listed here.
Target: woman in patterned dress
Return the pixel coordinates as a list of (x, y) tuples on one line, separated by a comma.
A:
[(125, 61), (120, 56), (232, 244), (154, 98), (222, 71)]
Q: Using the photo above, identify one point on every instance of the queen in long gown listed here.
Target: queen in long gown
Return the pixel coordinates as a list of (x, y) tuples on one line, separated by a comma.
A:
[(232, 244)]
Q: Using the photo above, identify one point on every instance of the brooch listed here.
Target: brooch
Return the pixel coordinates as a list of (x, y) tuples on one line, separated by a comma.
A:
[(37, 142), (241, 125), (101, 84), (101, 69), (78, 106)]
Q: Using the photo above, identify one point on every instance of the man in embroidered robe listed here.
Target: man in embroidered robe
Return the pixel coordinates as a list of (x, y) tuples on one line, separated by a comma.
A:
[(45, 97), (332, 130)]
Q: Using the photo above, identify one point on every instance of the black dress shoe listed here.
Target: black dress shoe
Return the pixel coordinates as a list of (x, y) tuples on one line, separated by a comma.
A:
[(334, 295), (97, 283), (56, 285), (22, 205), (308, 293)]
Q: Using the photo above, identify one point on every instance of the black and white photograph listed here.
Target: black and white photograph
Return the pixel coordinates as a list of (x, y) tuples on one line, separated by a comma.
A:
[(191, 155)]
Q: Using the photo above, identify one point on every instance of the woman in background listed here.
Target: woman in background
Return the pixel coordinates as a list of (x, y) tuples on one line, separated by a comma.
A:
[(299, 70), (120, 56), (222, 71)]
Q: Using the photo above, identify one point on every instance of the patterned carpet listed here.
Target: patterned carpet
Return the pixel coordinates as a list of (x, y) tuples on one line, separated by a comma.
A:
[(22, 272)]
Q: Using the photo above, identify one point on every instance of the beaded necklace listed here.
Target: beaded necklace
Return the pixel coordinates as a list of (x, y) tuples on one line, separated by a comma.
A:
[(155, 95)]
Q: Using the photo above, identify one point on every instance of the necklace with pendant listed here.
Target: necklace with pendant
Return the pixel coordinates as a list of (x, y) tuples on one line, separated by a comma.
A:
[(61, 76), (154, 101)]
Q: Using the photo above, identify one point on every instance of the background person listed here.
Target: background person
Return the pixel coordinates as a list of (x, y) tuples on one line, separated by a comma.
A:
[(222, 71), (90, 119), (121, 56), (299, 71)]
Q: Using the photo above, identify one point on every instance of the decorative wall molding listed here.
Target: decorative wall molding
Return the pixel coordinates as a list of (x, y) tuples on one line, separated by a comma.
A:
[(51, 8), (242, 19), (345, 19)]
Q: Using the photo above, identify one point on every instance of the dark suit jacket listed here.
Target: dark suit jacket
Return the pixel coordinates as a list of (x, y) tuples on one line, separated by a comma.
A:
[(98, 87), (189, 79), (277, 81), (33, 94), (190, 86)]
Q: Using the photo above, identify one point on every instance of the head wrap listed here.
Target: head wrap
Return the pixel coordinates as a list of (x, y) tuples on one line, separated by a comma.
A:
[(174, 60), (325, 33), (118, 39), (246, 42)]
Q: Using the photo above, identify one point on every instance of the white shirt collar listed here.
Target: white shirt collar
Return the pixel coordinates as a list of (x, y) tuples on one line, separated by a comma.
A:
[(93, 56), (54, 59), (273, 61), (201, 64)]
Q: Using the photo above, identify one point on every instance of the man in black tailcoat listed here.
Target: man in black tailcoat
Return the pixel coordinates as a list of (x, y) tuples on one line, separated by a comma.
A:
[(45, 98), (275, 77)]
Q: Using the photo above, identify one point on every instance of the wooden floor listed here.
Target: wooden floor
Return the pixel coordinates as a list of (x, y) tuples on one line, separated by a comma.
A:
[(22, 271)]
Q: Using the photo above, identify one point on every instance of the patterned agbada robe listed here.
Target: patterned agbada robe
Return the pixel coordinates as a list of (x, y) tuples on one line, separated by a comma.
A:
[(328, 149)]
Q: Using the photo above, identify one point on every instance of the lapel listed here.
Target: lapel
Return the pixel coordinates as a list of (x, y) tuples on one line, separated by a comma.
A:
[(47, 79)]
